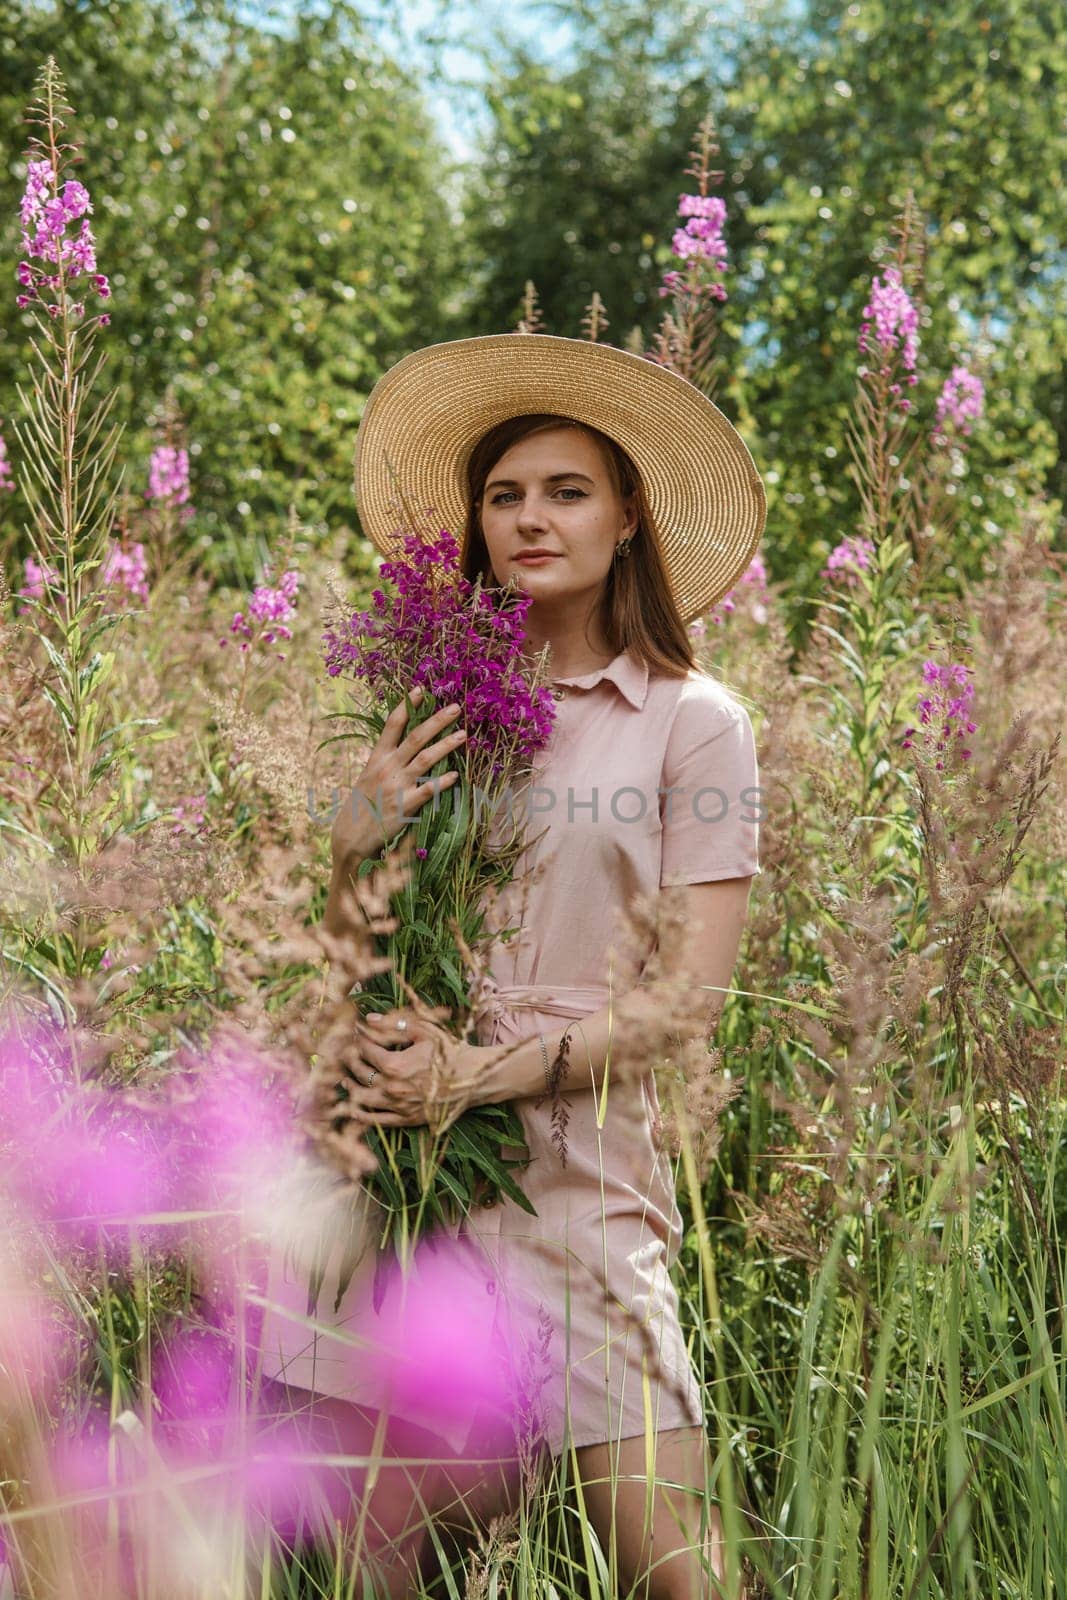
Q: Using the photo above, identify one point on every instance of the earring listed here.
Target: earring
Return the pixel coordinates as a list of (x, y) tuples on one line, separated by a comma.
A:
[(623, 546)]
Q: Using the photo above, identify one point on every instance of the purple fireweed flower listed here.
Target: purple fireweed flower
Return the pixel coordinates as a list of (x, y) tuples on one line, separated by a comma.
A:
[(168, 479), (701, 245), (960, 403), (462, 646), (440, 1353), (85, 1157), (847, 559), (47, 210), (189, 814), (35, 579), (7, 477), (234, 1138), (242, 1118), (268, 611), (208, 1417), (125, 569), (74, 1154), (944, 713), (895, 321)]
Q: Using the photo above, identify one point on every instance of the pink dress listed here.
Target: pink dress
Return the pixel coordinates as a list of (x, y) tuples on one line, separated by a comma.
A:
[(647, 781)]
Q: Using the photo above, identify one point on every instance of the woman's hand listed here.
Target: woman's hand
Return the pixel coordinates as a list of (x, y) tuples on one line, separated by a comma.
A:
[(416, 1074), (391, 787)]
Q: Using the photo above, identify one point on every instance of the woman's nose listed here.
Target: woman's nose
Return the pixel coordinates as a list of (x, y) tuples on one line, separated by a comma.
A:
[(531, 513)]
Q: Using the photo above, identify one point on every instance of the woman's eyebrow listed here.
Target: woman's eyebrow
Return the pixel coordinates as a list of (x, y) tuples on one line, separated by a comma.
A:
[(553, 477)]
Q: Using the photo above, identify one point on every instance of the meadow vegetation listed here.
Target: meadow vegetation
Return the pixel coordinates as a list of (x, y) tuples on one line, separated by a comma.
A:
[(870, 1155)]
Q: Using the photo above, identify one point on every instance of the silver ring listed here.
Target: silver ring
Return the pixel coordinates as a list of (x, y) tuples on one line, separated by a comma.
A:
[(401, 1025), (373, 1075)]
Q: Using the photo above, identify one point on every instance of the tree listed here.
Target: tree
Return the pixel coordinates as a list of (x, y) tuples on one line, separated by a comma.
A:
[(825, 119), (268, 209)]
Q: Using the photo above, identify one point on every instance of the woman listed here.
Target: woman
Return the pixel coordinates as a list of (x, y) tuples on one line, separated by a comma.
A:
[(624, 502)]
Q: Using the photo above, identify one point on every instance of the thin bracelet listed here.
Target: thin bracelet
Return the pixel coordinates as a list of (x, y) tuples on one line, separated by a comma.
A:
[(544, 1056)]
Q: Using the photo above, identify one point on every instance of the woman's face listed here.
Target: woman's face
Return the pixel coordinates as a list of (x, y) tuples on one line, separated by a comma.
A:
[(553, 492)]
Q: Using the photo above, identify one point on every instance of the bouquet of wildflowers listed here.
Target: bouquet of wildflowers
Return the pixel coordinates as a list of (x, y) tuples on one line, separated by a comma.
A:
[(460, 644)]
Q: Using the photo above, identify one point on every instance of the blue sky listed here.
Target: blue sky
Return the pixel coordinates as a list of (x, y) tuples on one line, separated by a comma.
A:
[(432, 38), (406, 29)]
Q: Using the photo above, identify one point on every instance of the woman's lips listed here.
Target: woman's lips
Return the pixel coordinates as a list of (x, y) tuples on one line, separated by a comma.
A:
[(533, 561)]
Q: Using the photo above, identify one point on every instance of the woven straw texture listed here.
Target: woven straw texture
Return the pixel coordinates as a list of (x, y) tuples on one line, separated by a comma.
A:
[(425, 415)]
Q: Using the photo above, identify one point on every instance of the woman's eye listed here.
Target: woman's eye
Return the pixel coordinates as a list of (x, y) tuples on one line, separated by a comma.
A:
[(504, 496)]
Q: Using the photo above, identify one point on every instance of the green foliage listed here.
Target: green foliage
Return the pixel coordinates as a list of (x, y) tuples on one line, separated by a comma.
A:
[(871, 1275), (826, 115), (267, 206)]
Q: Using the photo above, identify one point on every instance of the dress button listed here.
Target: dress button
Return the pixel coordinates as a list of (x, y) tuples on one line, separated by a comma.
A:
[(490, 1287)]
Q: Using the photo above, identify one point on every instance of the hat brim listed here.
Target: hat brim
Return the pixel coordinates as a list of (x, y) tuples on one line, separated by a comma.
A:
[(425, 415)]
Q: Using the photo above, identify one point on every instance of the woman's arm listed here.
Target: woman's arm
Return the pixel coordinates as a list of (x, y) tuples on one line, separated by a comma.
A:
[(704, 923), (341, 895)]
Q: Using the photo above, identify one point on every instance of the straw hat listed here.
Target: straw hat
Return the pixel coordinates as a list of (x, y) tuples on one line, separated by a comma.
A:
[(425, 415)]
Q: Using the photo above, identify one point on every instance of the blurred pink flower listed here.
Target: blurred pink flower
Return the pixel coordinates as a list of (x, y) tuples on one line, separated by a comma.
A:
[(960, 403), (753, 578), (35, 579), (442, 1354), (189, 814), (76, 1155), (168, 479), (237, 1110), (847, 559), (91, 1160), (125, 569), (265, 1466), (7, 479)]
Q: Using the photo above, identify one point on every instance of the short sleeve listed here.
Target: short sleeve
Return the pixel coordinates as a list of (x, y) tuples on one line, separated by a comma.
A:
[(709, 790)]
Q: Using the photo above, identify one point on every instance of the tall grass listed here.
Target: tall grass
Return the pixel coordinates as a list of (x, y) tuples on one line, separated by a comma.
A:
[(870, 1158)]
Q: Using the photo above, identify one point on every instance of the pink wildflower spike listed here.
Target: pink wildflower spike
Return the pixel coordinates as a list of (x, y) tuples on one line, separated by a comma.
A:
[(47, 210), (168, 479), (701, 246), (125, 570), (894, 318), (944, 714), (274, 607), (890, 332), (959, 405)]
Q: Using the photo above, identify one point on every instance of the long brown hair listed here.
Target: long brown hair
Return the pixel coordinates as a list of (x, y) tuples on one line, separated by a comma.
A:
[(637, 609)]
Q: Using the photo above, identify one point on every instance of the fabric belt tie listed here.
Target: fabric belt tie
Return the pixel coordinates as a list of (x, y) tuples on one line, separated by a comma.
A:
[(500, 1002)]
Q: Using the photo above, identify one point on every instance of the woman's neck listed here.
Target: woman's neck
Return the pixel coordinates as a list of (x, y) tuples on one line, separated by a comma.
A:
[(570, 655)]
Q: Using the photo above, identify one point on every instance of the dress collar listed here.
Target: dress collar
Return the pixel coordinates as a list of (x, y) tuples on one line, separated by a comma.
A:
[(629, 675)]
